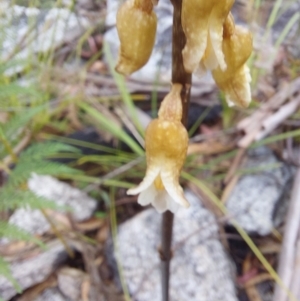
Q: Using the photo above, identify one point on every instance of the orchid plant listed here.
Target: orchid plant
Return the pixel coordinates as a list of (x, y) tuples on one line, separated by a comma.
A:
[(213, 43)]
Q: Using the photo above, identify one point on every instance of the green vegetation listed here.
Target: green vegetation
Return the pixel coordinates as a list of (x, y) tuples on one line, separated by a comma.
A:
[(36, 116)]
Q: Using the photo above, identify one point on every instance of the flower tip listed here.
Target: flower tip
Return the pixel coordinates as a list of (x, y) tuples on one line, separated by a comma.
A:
[(186, 204), (183, 202), (190, 61), (132, 191), (123, 68)]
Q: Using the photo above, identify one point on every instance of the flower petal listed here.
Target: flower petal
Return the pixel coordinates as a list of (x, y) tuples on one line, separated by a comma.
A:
[(160, 202), (210, 60), (216, 20), (171, 204), (151, 173), (238, 91), (235, 80), (170, 181), (194, 19), (147, 196), (194, 50)]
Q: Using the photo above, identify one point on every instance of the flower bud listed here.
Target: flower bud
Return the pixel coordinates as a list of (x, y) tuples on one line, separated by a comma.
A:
[(235, 80), (136, 26), (202, 22)]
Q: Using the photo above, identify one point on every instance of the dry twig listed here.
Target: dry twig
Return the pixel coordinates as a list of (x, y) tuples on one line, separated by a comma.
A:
[(289, 259), (270, 114)]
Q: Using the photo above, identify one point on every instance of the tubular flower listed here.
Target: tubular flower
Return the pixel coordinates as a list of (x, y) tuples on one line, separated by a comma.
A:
[(166, 147), (202, 23), (136, 26), (235, 80)]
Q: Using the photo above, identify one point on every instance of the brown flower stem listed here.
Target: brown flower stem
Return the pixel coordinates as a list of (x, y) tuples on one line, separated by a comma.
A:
[(178, 73), (178, 76), (166, 253)]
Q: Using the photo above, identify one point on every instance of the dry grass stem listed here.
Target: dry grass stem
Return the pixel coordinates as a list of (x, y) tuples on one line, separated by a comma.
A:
[(288, 256), (255, 127), (18, 148), (277, 118)]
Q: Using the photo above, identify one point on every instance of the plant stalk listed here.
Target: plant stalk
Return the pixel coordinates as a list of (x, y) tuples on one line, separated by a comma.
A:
[(178, 76)]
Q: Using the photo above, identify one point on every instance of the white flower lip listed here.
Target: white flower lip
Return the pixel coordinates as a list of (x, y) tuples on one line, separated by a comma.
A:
[(164, 199)]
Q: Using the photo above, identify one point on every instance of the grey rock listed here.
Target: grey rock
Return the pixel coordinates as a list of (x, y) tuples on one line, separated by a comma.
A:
[(33, 221), (63, 194), (200, 268), (255, 198), (37, 30), (30, 271), (70, 281)]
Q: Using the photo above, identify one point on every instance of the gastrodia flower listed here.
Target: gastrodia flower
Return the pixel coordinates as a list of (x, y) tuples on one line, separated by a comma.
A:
[(136, 26), (166, 147), (202, 23), (235, 80)]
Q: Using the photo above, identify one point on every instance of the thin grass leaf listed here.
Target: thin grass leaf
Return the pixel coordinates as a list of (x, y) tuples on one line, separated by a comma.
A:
[(5, 65), (276, 138), (104, 159), (112, 128), (24, 169), (119, 80), (199, 121), (106, 182), (12, 198), (7, 146), (5, 271), (15, 90), (11, 129), (90, 145), (114, 227), (246, 171), (46, 149), (287, 29), (274, 13), (15, 233)]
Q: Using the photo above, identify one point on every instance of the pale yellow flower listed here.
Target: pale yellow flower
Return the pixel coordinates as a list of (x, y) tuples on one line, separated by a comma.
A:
[(166, 147), (235, 80), (136, 26), (202, 23)]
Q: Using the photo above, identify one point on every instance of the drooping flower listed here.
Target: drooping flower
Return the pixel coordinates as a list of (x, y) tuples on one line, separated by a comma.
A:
[(202, 23), (136, 26), (166, 146), (235, 80)]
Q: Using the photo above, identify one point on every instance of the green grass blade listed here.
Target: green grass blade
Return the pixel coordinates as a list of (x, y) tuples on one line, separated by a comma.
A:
[(286, 29), (82, 143), (112, 128), (99, 181), (119, 80), (276, 138), (199, 121), (5, 271), (114, 227), (274, 14), (13, 232), (19, 120)]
